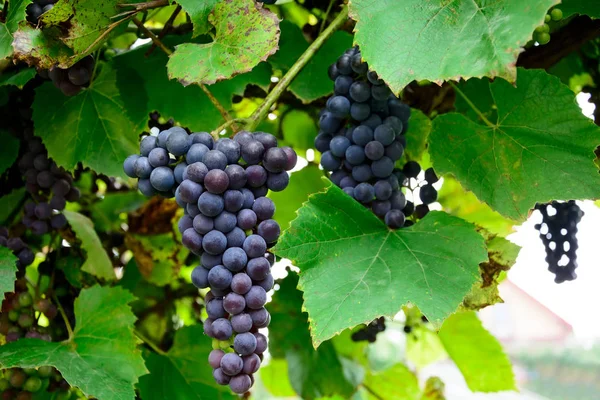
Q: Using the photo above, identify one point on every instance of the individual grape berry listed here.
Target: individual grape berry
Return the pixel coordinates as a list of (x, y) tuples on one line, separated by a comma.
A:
[(255, 246), (411, 169), (252, 152), (214, 358), (234, 303), (220, 377), (230, 148), (244, 343), (240, 383), (231, 363), (428, 194), (277, 182), (177, 142), (256, 297), (360, 91), (258, 268), (241, 323), (339, 106), (430, 176), (251, 363), (241, 283), (162, 179), (200, 277), (246, 219), (235, 259), (394, 219), (196, 153), (210, 204), (215, 309), (374, 150), (264, 208), (269, 230), (256, 175), (214, 159), (214, 242), (216, 181)]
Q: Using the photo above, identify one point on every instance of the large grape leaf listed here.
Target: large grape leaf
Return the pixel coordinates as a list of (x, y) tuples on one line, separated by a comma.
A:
[(93, 128), (97, 262), (541, 147), (105, 213), (397, 383), (290, 339), (8, 270), (101, 358), (17, 78), (183, 372), (354, 269), (570, 7), (15, 14), (313, 81), (198, 10), (8, 151), (302, 184), (477, 353), (84, 23), (441, 40), (246, 34), (137, 74)]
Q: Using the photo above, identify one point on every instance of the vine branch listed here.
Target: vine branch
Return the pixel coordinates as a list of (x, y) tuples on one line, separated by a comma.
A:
[(168, 52), (260, 113), (165, 29), (64, 317), (472, 105), (149, 342)]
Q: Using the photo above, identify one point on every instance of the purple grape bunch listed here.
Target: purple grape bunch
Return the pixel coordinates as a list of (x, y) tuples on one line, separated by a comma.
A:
[(362, 136), (49, 186), (228, 222), (18, 247)]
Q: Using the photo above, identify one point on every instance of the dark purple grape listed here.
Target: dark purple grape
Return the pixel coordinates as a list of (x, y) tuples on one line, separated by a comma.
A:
[(266, 283), (214, 242), (252, 152), (235, 238), (219, 277), (374, 150), (428, 194), (200, 277), (196, 172), (147, 144), (210, 204), (233, 200), (322, 142), (215, 308), (244, 343), (241, 283), (360, 111), (58, 221), (411, 169), (190, 191), (383, 167), (256, 297), (237, 176), (230, 148), (241, 383), (255, 246), (260, 316), (355, 155), (398, 200), (177, 142), (248, 198), (275, 160), (246, 219), (43, 211), (210, 261), (394, 219), (234, 303), (277, 182), (235, 259), (430, 176), (216, 181), (251, 364), (192, 240), (258, 268), (214, 358), (381, 207), (220, 377), (269, 230), (362, 173), (264, 208), (383, 190), (202, 137), (178, 171), (266, 139), (162, 179), (339, 106), (421, 211), (196, 153), (364, 192), (215, 159), (261, 343), (241, 323), (384, 134), (231, 363)]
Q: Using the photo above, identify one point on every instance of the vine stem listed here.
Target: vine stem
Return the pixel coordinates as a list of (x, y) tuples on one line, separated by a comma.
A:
[(472, 105), (227, 124), (149, 342), (372, 392), (64, 317), (168, 52), (166, 28), (260, 113)]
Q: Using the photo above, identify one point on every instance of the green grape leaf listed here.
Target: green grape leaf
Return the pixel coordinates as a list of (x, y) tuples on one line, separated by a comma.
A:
[(275, 378), (85, 23), (105, 213), (8, 270), (159, 257), (92, 127), (432, 264), (16, 14), (246, 34), (18, 78), (42, 48), (8, 151), (477, 354), (570, 7), (151, 73), (183, 372), (101, 358), (313, 81), (397, 383), (502, 255), (302, 184), (97, 262), (198, 10), (290, 339), (417, 134), (457, 201), (423, 347), (9, 203), (540, 148), (416, 40)]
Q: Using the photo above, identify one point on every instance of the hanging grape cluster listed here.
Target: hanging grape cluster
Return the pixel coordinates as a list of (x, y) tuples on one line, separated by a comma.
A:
[(361, 137), (558, 231), (229, 222), (541, 34)]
